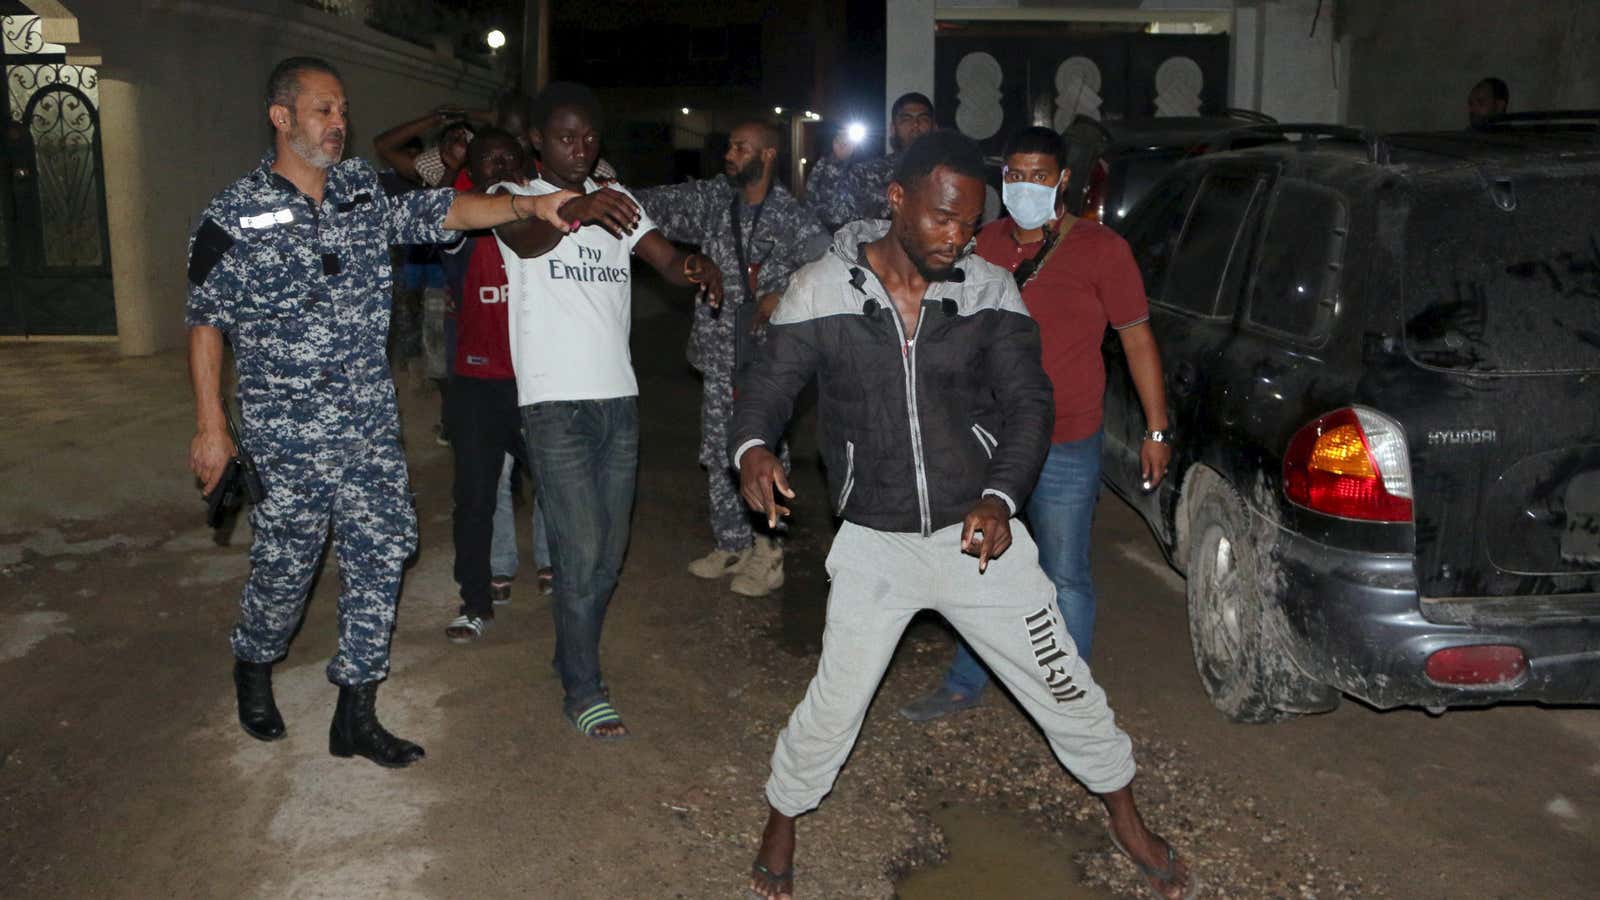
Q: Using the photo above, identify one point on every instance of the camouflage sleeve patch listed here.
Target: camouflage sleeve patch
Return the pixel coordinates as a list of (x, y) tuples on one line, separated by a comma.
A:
[(418, 217), (211, 243)]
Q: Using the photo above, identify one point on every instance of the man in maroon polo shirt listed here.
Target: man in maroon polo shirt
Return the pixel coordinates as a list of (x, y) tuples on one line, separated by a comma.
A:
[(481, 408), (1077, 277)]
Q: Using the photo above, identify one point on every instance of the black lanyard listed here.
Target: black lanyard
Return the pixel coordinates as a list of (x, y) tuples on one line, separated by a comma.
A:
[(739, 248)]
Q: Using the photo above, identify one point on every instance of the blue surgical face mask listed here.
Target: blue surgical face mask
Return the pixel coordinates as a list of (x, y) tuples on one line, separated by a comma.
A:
[(1030, 205)]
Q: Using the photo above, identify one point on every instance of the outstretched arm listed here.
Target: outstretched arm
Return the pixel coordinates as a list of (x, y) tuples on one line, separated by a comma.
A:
[(474, 212), (680, 268), (535, 236), (682, 212)]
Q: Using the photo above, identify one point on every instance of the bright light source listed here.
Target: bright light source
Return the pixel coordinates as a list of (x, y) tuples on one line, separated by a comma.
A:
[(778, 110), (856, 132), (803, 160), (495, 39), (685, 110), (812, 116)]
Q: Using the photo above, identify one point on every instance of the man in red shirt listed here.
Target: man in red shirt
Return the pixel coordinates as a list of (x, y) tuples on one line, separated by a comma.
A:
[(481, 404), (1077, 277)]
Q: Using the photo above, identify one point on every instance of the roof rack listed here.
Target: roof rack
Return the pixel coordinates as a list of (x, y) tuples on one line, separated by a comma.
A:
[(1547, 115), (1551, 120), (1310, 134), (1249, 115)]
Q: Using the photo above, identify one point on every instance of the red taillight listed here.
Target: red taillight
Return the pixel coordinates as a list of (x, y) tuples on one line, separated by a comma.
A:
[(1351, 463), (1480, 664), (1095, 197)]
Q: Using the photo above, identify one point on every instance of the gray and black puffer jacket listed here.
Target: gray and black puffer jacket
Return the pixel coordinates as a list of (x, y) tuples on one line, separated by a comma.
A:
[(914, 429)]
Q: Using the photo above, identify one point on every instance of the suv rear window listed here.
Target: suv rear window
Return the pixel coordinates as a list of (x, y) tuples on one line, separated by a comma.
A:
[(1200, 267), (1301, 256), (1153, 232), (1491, 290), (1133, 176)]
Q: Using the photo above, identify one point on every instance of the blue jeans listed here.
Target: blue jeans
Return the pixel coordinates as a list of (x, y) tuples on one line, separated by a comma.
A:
[(503, 549), (1061, 517), (585, 455)]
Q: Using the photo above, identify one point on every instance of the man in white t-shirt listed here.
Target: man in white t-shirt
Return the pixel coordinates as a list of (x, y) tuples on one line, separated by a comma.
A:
[(570, 308)]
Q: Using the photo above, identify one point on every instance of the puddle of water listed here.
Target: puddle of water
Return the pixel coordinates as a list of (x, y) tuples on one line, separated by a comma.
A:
[(995, 853)]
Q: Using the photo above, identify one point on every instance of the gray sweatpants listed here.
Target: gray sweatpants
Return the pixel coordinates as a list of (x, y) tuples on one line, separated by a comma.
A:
[(1007, 614)]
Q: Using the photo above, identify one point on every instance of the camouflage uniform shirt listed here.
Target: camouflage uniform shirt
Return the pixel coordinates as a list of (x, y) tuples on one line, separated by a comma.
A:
[(303, 292), (843, 192), (786, 236)]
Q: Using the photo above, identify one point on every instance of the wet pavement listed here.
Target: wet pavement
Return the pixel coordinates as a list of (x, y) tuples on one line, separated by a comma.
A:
[(997, 853)]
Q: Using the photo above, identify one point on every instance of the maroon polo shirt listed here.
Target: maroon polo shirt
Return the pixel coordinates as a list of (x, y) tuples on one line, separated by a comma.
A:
[(1089, 282)]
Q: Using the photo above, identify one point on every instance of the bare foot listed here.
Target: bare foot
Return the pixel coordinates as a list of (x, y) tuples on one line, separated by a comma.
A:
[(772, 874), (610, 731), (1155, 859)]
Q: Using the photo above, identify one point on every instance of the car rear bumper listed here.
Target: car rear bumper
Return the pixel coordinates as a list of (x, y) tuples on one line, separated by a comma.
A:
[(1360, 628)]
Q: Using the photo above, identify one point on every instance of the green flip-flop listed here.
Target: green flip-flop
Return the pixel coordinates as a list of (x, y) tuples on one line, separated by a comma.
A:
[(782, 882), (589, 720)]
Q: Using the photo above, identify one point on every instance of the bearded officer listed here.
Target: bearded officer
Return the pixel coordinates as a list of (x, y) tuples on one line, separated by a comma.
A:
[(291, 264), (746, 222)]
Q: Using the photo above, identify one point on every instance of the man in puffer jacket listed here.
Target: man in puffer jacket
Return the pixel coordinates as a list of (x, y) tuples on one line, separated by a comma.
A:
[(935, 416)]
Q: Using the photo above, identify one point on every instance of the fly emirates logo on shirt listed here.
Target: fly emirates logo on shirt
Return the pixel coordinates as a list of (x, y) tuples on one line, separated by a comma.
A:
[(590, 268)]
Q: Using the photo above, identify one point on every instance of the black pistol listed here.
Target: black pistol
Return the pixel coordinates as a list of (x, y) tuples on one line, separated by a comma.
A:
[(240, 480)]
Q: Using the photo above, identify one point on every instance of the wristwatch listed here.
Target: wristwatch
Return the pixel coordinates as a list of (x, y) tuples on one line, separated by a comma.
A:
[(1160, 435)]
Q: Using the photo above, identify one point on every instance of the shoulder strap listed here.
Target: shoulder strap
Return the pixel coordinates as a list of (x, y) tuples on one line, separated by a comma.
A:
[(1043, 256)]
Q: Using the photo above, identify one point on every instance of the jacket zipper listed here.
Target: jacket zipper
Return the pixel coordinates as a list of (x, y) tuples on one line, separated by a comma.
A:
[(908, 362)]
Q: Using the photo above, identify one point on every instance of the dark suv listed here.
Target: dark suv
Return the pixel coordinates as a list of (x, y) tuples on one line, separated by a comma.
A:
[(1113, 164), (1383, 364)]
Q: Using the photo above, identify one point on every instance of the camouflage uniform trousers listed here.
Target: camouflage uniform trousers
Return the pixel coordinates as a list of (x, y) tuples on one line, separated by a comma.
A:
[(362, 489), (732, 522)]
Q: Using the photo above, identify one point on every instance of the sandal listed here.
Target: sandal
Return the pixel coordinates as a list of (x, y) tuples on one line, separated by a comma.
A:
[(590, 720), (1168, 873), (547, 581), (782, 882), (465, 628), (500, 591)]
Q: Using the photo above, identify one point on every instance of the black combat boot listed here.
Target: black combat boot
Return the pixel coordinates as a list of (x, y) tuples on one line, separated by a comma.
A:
[(356, 731), (257, 712)]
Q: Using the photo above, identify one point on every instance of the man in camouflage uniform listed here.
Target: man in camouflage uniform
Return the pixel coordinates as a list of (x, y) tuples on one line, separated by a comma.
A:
[(842, 192), (775, 235), (291, 263)]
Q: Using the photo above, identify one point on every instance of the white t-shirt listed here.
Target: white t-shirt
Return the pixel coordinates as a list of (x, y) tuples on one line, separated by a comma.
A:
[(570, 311)]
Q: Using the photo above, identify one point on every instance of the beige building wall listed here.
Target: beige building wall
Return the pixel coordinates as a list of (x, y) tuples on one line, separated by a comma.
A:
[(1287, 61), (1412, 63), (182, 116)]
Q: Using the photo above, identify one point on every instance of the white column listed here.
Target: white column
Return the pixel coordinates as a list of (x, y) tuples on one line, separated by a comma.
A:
[(535, 46), (139, 329), (1298, 74), (909, 51), (1245, 39)]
